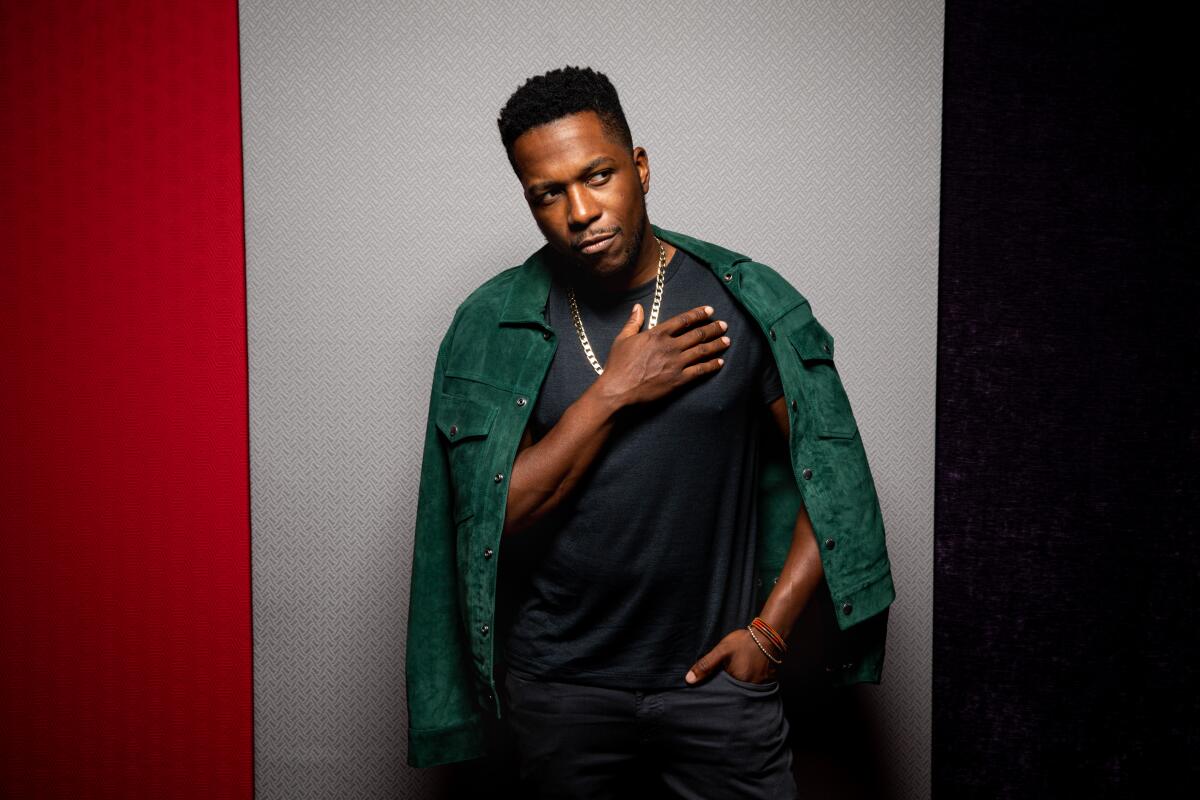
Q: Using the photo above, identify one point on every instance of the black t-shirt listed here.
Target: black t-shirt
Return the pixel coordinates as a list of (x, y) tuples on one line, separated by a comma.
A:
[(651, 561)]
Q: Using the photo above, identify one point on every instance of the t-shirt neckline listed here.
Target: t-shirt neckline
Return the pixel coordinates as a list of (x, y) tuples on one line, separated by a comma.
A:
[(643, 289)]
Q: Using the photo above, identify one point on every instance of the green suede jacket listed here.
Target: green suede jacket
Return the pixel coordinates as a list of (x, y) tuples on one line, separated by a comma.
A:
[(489, 369)]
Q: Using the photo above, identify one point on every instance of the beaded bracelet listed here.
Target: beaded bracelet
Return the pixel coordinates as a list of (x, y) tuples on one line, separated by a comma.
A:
[(770, 633), (760, 647)]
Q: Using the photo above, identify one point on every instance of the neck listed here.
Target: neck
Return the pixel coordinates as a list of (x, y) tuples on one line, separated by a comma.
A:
[(644, 268)]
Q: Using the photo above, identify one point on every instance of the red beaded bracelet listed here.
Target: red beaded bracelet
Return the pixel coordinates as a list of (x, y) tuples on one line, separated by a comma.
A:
[(770, 632), (760, 647)]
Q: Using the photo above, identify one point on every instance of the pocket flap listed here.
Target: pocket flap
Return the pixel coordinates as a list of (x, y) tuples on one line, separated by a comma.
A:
[(813, 342), (833, 416), (462, 418)]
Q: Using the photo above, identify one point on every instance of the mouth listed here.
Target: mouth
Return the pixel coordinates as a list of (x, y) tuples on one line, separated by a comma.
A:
[(597, 244)]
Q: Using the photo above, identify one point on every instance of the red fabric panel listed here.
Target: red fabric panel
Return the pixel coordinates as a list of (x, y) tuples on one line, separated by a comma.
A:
[(125, 635)]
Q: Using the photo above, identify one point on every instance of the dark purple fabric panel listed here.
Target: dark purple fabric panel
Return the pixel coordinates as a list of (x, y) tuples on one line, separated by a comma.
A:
[(1065, 625)]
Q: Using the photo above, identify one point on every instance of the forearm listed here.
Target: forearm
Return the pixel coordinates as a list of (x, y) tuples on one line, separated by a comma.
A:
[(802, 572), (547, 472)]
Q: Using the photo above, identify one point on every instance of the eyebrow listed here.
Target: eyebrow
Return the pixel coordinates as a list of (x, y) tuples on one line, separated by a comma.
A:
[(588, 167)]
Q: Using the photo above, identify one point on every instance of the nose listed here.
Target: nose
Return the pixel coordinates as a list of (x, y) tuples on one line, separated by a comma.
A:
[(582, 208)]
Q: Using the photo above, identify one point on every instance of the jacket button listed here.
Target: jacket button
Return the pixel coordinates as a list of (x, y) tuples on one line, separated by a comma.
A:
[(484, 629), (499, 477), (487, 552), (848, 665), (846, 608), (772, 333), (453, 430), (490, 696), (728, 276), (829, 544), (775, 579), (545, 334), (793, 405), (825, 346), (807, 474), (520, 401)]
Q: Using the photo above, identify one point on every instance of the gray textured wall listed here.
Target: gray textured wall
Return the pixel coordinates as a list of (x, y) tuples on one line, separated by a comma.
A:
[(378, 195)]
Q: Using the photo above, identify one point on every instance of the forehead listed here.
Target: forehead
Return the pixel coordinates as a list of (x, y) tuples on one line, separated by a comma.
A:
[(558, 149)]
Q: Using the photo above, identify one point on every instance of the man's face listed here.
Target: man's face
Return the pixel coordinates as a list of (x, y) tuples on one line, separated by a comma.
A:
[(580, 184)]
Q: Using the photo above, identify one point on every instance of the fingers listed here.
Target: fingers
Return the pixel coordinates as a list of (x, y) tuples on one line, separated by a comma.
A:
[(704, 349), (702, 334), (703, 368), (693, 333), (684, 320), (701, 344), (691, 338)]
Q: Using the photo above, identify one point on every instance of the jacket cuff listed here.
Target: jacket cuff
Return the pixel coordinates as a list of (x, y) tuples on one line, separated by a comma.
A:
[(861, 644), (862, 660), (427, 748)]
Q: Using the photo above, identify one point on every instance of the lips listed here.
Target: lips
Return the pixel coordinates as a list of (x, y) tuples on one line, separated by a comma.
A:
[(597, 244)]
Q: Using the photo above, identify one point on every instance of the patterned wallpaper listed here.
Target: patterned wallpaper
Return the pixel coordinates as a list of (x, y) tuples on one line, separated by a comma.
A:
[(378, 196)]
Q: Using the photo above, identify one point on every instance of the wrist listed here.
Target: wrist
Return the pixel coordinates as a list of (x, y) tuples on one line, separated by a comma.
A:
[(605, 398), (776, 625), (767, 639)]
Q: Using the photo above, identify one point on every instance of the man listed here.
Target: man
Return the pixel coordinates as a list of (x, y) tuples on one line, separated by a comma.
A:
[(630, 511)]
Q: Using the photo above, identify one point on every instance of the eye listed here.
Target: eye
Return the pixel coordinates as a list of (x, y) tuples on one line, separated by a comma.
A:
[(603, 175)]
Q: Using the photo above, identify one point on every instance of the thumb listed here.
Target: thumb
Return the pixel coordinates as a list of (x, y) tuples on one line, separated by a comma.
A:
[(634, 324), (705, 665)]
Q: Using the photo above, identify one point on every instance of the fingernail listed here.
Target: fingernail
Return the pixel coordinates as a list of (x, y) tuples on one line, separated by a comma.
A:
[(691, 677), (708, 309)]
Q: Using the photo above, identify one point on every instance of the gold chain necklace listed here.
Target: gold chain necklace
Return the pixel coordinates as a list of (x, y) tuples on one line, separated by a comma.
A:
[(658, 291)]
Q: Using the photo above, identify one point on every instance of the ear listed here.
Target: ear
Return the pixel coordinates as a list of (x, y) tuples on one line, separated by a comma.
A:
[(641, 162)]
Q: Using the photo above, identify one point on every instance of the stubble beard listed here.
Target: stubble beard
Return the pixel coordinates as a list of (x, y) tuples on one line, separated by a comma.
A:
[(635, 238), (635, 248)]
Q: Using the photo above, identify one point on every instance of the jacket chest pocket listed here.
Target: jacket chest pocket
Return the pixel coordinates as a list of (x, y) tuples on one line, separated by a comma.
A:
[(465, 423), (832, 416)]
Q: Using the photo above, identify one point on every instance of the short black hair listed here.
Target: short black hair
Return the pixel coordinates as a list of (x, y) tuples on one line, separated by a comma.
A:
[(557, 93)]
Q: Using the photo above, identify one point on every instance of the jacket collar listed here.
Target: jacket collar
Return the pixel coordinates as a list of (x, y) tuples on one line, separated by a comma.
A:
[(530, 289)]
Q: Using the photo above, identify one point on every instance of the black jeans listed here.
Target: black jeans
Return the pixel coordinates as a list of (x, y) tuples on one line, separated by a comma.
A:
[(722, 737)]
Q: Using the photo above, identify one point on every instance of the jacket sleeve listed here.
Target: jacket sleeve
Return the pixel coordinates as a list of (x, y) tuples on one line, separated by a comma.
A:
[(863, 590), (444, 722)]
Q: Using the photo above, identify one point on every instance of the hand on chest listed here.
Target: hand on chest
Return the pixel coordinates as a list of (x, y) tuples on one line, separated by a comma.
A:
[(707, 400)]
